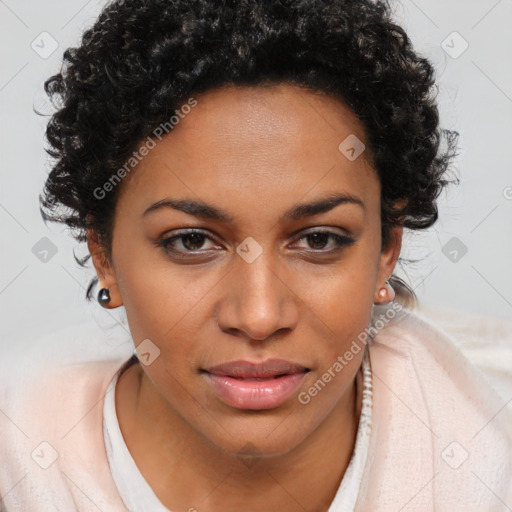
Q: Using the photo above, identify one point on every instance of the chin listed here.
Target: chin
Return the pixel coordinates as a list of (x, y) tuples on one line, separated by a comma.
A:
[(258, 436)]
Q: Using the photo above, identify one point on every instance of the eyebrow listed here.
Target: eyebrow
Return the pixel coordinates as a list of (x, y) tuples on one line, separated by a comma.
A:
[(297, 212)]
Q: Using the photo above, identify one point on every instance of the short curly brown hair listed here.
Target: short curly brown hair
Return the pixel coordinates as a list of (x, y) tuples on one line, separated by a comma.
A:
[(141, 60)]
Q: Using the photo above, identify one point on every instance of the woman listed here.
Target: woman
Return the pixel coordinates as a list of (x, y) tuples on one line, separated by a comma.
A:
[(242, 173)]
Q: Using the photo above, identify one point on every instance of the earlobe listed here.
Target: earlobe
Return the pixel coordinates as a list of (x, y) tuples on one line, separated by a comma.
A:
[(384, 293), (108, 295)]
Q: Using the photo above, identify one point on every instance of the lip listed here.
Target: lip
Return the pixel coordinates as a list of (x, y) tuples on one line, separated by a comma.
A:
[(256, 385), (246, 369)]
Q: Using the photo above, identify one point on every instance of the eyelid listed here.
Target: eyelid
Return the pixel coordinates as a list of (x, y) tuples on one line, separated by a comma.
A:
[(323, 229)]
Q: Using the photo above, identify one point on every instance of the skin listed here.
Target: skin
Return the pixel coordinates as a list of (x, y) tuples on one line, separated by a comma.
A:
[(254, 152)]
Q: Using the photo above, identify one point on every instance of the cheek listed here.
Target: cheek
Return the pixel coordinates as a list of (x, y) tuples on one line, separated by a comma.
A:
[(342, 298), (167, 305), (339, 314), (157, 294)]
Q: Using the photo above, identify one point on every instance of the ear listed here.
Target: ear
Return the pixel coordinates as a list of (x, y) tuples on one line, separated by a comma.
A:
[(389, 257), (106, 274)]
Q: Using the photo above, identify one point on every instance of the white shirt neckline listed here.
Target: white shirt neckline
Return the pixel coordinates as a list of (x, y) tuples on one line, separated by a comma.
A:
[(138, 496)]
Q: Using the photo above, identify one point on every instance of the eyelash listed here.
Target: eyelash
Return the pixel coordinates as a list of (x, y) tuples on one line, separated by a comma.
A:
[(341, 241)]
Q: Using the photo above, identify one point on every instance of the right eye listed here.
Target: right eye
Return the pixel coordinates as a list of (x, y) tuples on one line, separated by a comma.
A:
[(189, 240)]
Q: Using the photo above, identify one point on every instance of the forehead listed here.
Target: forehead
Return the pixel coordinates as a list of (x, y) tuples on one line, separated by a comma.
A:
[(266, 146), (283, 118)]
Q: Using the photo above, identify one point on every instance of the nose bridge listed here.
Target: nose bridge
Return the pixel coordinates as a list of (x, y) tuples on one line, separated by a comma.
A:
[(260, 281), (258, 302)]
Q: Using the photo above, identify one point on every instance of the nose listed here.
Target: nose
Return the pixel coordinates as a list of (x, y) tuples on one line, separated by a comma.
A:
[(258, 300)]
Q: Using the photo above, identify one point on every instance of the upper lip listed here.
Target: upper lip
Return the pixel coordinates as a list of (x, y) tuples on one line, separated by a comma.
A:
[(247, 369)]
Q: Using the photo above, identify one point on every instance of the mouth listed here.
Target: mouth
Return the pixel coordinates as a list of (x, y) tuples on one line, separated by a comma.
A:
[(257, 386)]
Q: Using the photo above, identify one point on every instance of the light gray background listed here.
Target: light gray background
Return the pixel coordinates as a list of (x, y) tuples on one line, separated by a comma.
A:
[(42, 303)]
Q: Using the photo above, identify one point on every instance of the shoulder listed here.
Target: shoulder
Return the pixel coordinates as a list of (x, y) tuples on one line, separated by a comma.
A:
[(485, 340), (477, 344), (435, 404), (54, 392), (425, 366), (435, 351), (51, 434)]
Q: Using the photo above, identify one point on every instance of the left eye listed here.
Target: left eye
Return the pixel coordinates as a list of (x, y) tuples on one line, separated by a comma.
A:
[(320, 238)]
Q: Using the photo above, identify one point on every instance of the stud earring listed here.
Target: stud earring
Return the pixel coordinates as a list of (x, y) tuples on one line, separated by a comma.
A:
[(104, 297), (387, 291)]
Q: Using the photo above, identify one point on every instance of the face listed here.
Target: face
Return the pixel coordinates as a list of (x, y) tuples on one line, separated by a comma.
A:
[(247, 235)]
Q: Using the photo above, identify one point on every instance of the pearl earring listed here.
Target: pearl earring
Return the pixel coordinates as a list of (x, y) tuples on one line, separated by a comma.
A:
[(104, 297), (387, 291)]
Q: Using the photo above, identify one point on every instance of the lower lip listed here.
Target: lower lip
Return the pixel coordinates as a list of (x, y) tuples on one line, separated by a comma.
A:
[(255, 394)]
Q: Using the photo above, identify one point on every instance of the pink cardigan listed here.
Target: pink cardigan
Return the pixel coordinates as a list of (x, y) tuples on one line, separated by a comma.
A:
[(441, 436)]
